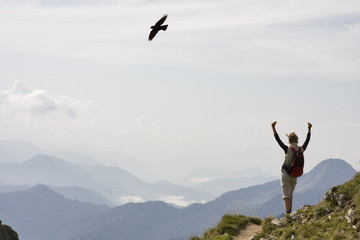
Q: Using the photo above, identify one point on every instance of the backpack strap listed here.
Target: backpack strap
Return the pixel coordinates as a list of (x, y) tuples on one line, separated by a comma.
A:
[(293, 149)]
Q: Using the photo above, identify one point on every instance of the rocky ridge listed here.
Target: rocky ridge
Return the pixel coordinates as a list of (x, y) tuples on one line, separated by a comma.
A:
[(7, 233), (336, 217)]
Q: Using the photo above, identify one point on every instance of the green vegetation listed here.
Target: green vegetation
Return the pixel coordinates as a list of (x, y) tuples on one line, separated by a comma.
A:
[(7, 233), (228, 227), (327, 220), (337, 217)]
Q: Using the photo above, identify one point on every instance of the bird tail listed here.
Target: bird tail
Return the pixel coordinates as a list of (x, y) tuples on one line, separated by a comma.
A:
[(164, 27)]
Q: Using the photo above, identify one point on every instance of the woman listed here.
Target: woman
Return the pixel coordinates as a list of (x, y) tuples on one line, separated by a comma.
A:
[(288, 182)]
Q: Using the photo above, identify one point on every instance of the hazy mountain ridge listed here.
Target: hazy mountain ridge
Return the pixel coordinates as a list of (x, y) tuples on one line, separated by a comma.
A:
[(70, 169), (41, 213), (113, 183), (157, 219), (221, 185), (199, 217), (311, 187), (18, 151)]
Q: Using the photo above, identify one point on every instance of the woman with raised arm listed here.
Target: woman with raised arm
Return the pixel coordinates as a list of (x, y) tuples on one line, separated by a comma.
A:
[(288, 182)]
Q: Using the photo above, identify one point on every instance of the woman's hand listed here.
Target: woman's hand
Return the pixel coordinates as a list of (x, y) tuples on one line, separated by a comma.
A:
[(273, 127)]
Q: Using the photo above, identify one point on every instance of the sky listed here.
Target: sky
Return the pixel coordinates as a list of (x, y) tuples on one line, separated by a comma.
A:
[(82, 76)]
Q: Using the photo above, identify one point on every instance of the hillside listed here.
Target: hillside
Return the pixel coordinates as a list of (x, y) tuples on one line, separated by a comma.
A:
[(41, 213), (265, 199), (7, 233), (311, 187), (335, 217)]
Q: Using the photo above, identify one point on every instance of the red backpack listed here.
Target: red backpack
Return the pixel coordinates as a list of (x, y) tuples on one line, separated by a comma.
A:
[(296, 167)]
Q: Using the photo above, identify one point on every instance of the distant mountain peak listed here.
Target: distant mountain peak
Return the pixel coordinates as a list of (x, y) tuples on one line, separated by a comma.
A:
[(45, 159), (332, 166), (42, 189), (332, 161)]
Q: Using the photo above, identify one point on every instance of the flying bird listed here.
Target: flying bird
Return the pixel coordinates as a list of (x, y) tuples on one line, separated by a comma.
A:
[(157, 27)]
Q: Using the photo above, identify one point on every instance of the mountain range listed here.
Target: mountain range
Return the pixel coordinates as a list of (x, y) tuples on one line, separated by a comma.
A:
[(115, 184), (17, 151), (86, 178), (41, 213)]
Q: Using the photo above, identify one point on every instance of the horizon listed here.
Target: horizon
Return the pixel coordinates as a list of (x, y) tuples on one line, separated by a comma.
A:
[(173, 199), (84, 78), (193, 177)]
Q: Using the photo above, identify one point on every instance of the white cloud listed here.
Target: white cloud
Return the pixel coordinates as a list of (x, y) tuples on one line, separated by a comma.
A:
[(196, 180), (178, 200), (25, 99), (226, 36), (36, 116), (165, 98), (129, 199)]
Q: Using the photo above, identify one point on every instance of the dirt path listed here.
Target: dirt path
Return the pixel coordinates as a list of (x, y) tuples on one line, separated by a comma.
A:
[(248, 232)]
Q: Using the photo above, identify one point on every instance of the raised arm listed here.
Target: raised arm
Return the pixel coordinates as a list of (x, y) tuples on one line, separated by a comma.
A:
[(273, 127), (276, 135), (304, 146)]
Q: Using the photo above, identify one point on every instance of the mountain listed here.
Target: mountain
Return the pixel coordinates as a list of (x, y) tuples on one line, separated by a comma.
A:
[(132, 221), (222, 185), (311, 187), (73, 193), (202, 175), (212, 182), (83, 195), (115, 184), (335, 217), (182, 223), (41, 213), (16, 151)]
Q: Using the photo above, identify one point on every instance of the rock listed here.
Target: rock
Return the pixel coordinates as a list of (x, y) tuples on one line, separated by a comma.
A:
[(342, 200), (339, 199), (7, 233), (277, 222), (295, 216), (350, 215), (269, 237)]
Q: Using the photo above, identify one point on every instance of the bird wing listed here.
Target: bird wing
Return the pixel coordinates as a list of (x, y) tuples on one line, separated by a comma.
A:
[(161, 21), (152, 34)]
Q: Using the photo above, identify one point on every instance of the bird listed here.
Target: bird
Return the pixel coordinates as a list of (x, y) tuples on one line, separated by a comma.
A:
[(157, 27)]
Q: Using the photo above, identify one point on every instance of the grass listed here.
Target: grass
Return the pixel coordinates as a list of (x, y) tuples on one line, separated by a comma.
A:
[(7, 232), (325, 220), (228, 227), (322, 221)]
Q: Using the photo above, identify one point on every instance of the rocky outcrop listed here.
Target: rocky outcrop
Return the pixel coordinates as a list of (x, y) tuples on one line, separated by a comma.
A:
[(338, 206), (339, 199), (7, 233)]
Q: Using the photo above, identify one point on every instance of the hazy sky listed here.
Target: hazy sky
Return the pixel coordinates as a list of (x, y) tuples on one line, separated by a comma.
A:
[(81, 75)]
